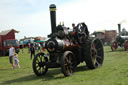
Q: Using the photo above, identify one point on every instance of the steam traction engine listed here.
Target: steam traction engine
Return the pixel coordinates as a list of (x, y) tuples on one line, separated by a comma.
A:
[(121, 40), (68, 48)]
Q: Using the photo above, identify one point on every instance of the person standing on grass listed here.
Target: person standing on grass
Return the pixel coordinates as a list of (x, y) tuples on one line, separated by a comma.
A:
[(32, 50), (11, 54), (16, 60), (43, 47), (39, 47), (21, 47), (29, 45)]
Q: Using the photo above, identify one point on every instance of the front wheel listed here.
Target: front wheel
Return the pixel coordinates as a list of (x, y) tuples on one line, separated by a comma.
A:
[(66, 63), (39, 64), (94, 53)]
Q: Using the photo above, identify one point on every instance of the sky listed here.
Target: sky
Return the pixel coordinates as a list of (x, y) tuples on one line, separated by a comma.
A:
[(32, 17)]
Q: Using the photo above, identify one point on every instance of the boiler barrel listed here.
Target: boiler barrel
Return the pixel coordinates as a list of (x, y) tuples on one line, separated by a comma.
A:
[(53, 45), (124, 37)]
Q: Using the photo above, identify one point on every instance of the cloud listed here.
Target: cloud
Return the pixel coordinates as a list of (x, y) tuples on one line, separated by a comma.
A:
[(98, 15), (32, 18)]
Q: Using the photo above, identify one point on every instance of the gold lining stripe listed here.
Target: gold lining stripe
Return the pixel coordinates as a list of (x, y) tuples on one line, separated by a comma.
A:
[(52, 9)]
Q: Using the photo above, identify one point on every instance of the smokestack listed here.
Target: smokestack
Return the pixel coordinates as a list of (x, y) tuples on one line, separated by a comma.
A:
[(119, 29), (52, 8)]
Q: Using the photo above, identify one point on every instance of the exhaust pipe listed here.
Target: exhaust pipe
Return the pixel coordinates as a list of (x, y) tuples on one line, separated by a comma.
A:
[(52, 8), (119, 29)]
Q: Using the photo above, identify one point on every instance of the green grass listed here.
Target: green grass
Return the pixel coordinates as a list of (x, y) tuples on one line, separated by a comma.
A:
[(113, 72)]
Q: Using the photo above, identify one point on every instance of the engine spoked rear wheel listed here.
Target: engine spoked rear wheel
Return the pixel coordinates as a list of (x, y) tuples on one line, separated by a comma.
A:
[(94, 53), (67, 63), (39, 64)]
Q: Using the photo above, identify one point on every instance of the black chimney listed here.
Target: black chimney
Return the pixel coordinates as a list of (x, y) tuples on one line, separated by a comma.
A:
[(52, 8), (119, 29)]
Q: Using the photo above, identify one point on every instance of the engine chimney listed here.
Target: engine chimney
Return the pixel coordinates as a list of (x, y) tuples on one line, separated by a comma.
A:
[(119, 29), (52, 8)]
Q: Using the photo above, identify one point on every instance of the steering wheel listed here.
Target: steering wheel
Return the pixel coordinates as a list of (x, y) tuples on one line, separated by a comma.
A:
[(81, 28), (81, 32)]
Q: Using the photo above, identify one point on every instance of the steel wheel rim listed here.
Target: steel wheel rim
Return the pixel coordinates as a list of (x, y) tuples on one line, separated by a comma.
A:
[(68, 63), (40, 64), (96, 53)]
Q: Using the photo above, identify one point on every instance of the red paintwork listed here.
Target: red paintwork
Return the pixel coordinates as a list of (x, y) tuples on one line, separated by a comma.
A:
[(9, 36), (126, 44)]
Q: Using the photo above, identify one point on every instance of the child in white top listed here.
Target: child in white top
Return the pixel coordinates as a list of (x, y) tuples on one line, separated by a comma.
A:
[(16, 60)]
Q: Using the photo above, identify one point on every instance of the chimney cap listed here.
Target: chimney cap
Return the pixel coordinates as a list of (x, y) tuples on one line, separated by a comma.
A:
[(52, 6)]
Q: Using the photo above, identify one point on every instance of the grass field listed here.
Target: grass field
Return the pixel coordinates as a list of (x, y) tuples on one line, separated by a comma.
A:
[(113, 72)]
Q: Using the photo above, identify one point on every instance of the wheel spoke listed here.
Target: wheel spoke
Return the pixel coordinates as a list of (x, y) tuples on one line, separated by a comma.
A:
[(66, 60), (94, 61), (37, 65), (98, 57), (93, 45), (69, 59), (97, 63), (37, 61), (69, 70), (40, 58), (43, 69), (39, 69), (69, 63), (65, 64)]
